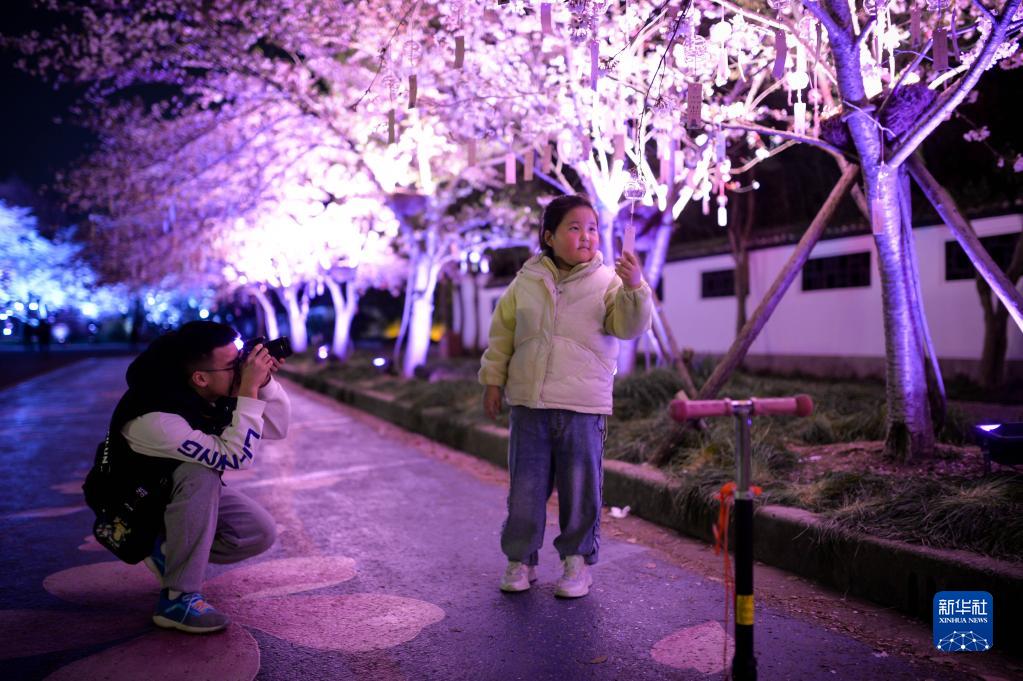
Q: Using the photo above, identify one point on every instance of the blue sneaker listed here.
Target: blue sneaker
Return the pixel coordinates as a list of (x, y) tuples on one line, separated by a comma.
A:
[(188, 612), (157, 562)]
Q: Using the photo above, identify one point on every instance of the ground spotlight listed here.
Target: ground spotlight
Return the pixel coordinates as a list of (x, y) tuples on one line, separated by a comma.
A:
[(322, 353)]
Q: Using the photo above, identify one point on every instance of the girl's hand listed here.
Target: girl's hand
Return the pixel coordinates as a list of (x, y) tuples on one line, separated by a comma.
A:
[(631, 272), (492, 401)]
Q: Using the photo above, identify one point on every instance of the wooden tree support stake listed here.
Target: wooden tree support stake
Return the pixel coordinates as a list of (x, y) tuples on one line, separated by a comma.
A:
[(960, 227), (781, 284)]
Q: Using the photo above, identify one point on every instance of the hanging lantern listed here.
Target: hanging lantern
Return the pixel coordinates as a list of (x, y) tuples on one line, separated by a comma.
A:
[(779, 6), (938, 5), (635, 189)]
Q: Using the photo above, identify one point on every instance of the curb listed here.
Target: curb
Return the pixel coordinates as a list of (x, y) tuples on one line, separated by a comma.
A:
[(892, 573)]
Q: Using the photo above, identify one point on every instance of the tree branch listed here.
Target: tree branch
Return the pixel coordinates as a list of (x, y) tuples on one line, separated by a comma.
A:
[(762, 130), (943, 106)]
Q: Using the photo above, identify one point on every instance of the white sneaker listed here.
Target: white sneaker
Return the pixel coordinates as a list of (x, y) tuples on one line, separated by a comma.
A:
[(517, 576), (576, 581)]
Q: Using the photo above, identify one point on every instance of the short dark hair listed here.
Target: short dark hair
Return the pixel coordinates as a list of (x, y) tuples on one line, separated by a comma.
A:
[(196, 342), (556, 211)]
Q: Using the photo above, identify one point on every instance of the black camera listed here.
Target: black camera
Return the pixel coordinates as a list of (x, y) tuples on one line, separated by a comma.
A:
[(278, 349)]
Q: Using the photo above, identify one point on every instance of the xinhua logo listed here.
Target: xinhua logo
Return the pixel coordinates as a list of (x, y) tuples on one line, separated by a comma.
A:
[(964, 621)]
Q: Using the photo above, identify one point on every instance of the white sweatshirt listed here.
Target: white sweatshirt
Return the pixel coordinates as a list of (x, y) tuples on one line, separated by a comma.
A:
[(169, 436)]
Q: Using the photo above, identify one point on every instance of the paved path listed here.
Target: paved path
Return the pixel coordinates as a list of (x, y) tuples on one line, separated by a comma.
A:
[(386, 567)]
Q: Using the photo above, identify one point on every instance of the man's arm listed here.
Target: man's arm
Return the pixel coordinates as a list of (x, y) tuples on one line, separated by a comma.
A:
[(277, 414), (169, 436)]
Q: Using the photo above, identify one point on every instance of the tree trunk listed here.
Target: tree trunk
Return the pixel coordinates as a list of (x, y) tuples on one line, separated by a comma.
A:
[(749, 332), (298, 310), (653, 270), (424, 278), (935, 383), (269, 315), (910, 431), (345, 307), (996, 321), (741, 229)]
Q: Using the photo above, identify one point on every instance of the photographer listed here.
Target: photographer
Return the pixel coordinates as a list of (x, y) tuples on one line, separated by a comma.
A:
[(198, 406)]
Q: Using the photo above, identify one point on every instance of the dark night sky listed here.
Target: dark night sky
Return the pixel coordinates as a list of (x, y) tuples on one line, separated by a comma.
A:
[(34, 147)]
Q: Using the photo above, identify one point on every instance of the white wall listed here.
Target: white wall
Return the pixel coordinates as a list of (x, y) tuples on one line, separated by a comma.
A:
[(834, 322)]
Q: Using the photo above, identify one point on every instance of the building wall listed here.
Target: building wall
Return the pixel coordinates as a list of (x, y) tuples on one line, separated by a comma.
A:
[(832, 331), (844, 323)]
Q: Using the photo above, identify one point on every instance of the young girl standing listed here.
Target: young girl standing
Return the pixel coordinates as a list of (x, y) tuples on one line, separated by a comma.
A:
[(553, 350)]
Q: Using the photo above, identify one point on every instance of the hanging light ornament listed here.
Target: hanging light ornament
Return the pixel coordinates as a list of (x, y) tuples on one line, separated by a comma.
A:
[(720, 33), (779, 6), (743, 40), (938, 5)]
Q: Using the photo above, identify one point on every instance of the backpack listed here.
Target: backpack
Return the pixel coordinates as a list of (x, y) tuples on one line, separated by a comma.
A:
[(128, 493)]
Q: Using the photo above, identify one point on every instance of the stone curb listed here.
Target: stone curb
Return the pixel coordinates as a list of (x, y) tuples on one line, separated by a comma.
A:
[(904, 576)]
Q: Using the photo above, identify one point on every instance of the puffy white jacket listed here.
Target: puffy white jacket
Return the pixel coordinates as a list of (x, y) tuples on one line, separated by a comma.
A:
[(554, 342)]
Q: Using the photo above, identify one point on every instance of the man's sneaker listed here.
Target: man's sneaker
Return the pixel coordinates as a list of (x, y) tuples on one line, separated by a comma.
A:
[(188, 612), (576, 580), (156, 561), (517, 576)]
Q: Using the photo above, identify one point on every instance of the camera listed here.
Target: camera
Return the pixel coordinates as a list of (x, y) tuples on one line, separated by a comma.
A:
[(278, 349)]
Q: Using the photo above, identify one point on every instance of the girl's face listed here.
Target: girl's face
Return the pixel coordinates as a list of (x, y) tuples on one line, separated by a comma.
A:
[(576, 238)]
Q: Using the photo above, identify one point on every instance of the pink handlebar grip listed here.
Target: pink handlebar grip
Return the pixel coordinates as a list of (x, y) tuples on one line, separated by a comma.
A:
[(800, 405), (684, 410)]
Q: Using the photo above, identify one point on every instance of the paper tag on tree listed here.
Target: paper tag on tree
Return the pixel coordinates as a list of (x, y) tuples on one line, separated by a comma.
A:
[(546, 25), (391, 127), (694, 102), (471, 152), (546, 156), (914, 25), (619, 145), (629, 239), (413, 87), (509, 168), (527, 166), (781, 51), (939, 49), (459, 51)]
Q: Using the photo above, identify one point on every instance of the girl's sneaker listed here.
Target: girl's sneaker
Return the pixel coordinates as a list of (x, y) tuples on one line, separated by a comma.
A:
[(517, 576), (576, 580), (188, 612)]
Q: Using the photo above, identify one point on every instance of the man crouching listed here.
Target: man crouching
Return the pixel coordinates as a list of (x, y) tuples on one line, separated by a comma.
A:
[(199, 406)]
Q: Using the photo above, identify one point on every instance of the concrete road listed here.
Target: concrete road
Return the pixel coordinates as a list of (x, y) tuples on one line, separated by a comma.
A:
[(386, 567)]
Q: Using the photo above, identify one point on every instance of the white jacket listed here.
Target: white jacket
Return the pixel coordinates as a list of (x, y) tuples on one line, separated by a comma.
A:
[(554, 342), (169, 436)]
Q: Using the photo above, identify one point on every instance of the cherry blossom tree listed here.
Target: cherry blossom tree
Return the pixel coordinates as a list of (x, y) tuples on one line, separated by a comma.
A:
[(663, 103)]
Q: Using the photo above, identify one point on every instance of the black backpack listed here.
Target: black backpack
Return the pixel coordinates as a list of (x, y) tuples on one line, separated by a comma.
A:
[(128, 492)]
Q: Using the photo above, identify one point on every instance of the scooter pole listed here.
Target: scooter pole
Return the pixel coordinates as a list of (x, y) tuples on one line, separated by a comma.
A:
[(744, 661)]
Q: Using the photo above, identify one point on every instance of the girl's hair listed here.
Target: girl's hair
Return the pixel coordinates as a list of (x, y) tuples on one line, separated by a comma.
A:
[(555, 212)]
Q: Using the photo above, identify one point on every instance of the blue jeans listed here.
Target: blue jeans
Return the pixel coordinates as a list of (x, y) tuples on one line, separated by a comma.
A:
[(549, 447)]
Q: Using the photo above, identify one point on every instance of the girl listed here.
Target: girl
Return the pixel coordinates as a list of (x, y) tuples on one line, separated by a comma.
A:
[(553, 349)]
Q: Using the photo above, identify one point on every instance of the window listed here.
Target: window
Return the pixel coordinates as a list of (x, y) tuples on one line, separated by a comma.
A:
[(959, 266), (717, 284), (837, 271)]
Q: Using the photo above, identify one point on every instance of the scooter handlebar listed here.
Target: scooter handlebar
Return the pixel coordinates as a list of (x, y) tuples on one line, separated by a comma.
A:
[(683, 410)]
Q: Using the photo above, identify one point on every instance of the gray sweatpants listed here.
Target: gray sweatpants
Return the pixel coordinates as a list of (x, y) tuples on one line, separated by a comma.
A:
[(208, 522)]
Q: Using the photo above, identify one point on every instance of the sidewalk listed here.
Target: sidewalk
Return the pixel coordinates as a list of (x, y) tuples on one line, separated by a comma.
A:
[(886, 572), (386, 567)]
